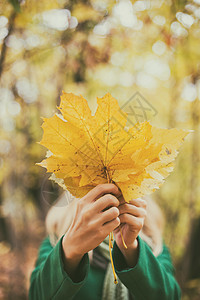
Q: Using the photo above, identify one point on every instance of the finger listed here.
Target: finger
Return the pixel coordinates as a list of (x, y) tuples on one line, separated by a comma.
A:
[(105, 201), (132, 210), (110, 226), (102, 189), (132, 221), (139, 202), (109, 215)]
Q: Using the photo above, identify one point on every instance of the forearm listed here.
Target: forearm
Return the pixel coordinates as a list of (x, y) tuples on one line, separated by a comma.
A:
[(49, 279), (150, 279)]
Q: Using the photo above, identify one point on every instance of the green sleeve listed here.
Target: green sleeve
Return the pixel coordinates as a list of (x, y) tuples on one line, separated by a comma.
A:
[(49, 279), (152, 278)]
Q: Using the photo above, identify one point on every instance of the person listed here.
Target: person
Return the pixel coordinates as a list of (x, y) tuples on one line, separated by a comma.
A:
[(73, 260)]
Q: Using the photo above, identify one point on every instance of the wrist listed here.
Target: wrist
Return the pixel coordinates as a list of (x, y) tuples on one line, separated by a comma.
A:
[(131, 253), (71, 260), (70, 253)]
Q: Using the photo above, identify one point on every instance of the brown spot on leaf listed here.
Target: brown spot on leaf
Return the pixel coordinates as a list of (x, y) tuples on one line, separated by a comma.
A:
[(168, 151)]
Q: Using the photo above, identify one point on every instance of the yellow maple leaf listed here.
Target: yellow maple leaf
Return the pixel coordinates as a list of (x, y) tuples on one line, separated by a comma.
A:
[(88, 150)]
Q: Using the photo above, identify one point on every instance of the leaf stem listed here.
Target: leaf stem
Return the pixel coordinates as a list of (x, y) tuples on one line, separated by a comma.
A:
[(111, 259), (107, 175), (111, 238), (122, 237)]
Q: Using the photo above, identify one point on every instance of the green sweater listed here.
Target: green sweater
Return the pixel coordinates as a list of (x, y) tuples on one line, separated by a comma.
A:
[(151, 279)]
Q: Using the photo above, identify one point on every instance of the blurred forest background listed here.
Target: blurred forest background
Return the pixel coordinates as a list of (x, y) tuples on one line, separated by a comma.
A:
[(92, 47)]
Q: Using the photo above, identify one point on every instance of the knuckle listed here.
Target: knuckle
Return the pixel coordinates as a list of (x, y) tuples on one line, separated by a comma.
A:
[(143, 212), (115, 201), (100, 188), (92, 225), (101, 232), (114, 188), (115, 212), (144, 203), (117, 222), (140, 223), (107, 188), (108, 196), (126, 217), (85, 215), (126, 206), (112, 200)]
